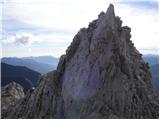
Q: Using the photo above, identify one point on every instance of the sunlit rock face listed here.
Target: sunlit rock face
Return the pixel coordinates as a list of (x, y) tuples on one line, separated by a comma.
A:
[(102, 75), (81, 78)]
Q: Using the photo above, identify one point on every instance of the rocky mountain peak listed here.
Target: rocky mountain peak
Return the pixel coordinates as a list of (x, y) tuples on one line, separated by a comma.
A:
[(104, 67), (110, 10), (102, 75)]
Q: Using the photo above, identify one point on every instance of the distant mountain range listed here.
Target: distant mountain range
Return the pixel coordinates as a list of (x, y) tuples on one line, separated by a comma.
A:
[(155, 76), (44, 64), (41, 64), (50, 60), (153, 61), (22, 75), (26, 70)]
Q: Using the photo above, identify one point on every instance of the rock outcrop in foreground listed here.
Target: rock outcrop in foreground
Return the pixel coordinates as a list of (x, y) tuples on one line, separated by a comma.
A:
[(102, 75), (10, 94)]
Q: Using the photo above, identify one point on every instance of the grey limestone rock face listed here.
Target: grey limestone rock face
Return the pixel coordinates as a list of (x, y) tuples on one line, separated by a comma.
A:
[(106, 77), (102, 75), (10, 94)]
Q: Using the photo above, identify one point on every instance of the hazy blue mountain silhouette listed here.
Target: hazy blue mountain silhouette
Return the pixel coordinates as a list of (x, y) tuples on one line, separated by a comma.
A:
[(29, 63), (45, 60), (151, 59), (22, 75), (155, 76)]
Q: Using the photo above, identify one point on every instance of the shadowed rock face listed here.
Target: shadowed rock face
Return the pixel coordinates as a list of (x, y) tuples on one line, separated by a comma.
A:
[(102, 75)]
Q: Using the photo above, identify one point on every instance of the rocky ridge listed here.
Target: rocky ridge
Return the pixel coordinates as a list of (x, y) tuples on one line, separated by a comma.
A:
[(102, 75)]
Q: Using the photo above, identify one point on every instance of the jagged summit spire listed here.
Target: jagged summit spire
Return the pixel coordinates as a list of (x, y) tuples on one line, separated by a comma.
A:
[(107, 20), (110, 11)]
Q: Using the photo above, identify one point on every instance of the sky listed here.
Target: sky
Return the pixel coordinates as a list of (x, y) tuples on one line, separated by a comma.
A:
[(47, 27)]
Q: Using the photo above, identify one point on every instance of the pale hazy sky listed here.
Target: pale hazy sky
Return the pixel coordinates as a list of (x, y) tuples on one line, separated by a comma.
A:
[(46, 27)]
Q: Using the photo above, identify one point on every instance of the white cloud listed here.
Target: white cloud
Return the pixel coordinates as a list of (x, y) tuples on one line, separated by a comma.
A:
[(35, 45), (20, 38), (29, 39)]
